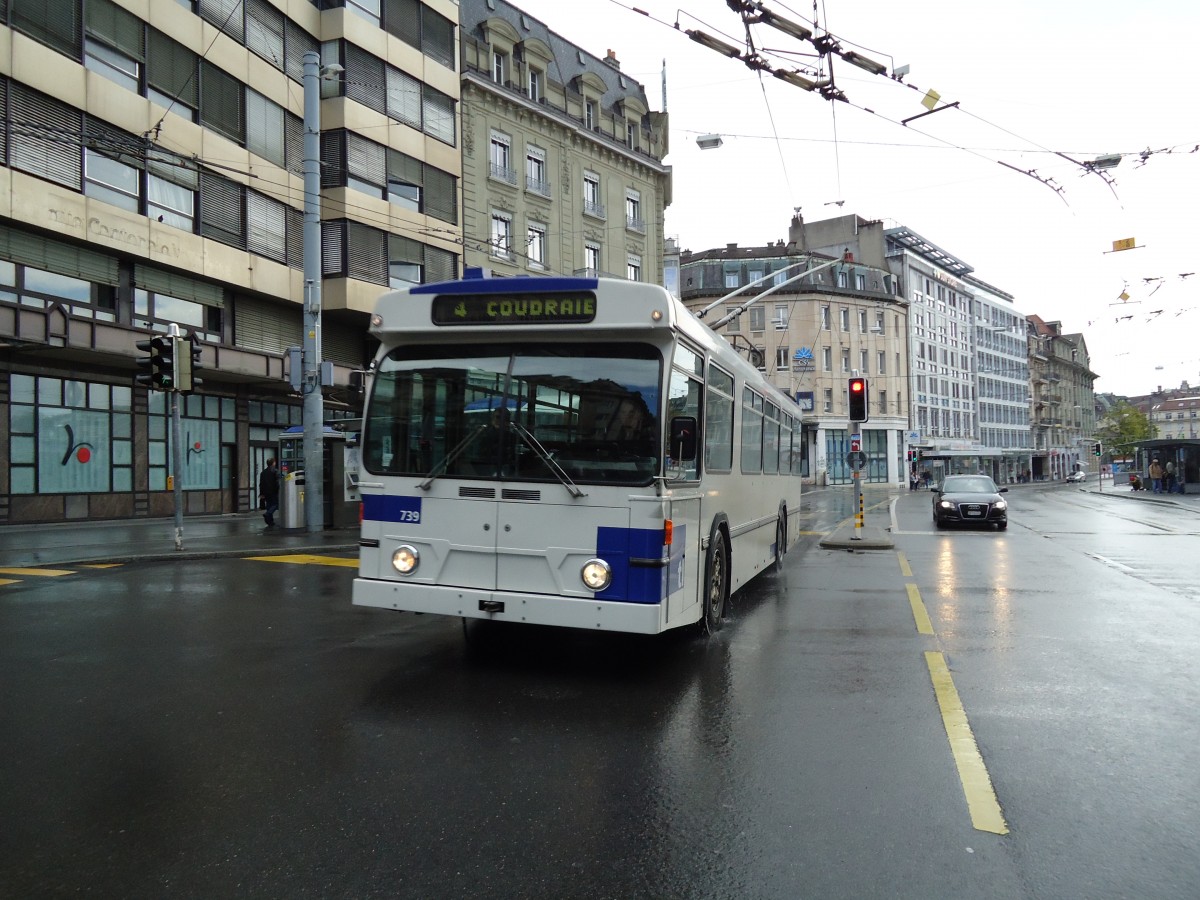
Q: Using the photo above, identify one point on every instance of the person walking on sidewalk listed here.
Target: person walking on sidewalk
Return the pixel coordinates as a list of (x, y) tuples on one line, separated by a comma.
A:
[(1169, 477), (1156, 476), (268, 492)]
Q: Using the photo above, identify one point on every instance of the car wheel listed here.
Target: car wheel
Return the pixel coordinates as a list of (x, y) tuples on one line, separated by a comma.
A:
[(716, 583), (1001, 526), (938, 522), (780, 543)]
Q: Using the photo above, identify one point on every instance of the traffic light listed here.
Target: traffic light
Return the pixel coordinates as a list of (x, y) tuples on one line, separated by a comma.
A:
[(856, 389), (158, 369), (1097, 449), (187, 354)]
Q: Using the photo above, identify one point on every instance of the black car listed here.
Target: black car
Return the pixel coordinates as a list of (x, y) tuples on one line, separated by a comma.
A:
[(966, 499)]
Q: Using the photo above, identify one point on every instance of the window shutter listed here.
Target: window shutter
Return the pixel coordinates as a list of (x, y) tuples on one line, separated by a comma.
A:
[(45, 137), (172, 167), (437, 36), (333, 159), (222, 210), (441, 195), (114, 143), (221, 102), (227, 15), (367, 254), (57, 23), (293, 143), (364, 79), (264, 31), (295, 238), (440, 265), (333, 253), (55, 256), (264, 127), (403, 98), (171, 69), (173, 284), (266, 226), (344, 344), (258, 325), (366, 160), (297, 42), (439, 115), (117, 27), (402, 18)]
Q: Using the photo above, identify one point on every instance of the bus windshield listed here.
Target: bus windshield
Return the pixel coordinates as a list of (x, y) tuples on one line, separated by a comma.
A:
[(517, 412)]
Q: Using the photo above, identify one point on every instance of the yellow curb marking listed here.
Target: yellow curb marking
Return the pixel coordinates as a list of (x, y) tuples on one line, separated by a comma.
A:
[(982, 804), (905, 569), (307, 559), (37, 572)]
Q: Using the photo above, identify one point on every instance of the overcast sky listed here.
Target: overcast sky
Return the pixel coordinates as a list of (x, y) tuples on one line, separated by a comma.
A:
[(1031, 77)]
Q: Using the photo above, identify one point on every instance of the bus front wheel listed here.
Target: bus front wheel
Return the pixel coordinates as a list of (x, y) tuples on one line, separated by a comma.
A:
[(716, 582)]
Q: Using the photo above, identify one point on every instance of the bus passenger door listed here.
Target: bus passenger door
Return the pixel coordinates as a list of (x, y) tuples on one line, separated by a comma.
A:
[(686, 568)]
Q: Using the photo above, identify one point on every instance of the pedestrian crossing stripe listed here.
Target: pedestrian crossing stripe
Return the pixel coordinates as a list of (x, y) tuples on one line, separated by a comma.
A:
[(50, 573), (308, 559)]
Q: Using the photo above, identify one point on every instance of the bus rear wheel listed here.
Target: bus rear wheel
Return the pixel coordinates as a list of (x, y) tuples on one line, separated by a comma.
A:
[(716, 583), (780, 542)]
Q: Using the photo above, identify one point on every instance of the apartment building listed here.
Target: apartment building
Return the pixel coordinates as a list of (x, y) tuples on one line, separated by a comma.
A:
[(1063, 402), (561, 154), (151, 173)]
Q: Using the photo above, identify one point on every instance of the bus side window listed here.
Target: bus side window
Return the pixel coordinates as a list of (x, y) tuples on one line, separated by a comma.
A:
[(683, 402)]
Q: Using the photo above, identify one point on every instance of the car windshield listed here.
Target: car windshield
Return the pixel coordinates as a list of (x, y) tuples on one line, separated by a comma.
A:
[(969, 484)]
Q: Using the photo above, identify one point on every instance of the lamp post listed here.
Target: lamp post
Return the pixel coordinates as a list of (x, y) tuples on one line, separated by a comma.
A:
[(313, 412)]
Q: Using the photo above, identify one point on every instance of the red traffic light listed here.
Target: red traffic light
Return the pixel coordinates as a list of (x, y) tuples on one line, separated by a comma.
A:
[(857, 385)]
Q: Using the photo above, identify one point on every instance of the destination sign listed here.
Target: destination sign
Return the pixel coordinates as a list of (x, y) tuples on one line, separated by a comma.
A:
[(506, 309)]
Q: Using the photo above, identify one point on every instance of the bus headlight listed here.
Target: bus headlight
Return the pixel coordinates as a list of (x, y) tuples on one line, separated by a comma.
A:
[(405, 559), (596, 574)]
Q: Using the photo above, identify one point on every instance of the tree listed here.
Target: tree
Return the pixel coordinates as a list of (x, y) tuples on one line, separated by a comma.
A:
[(1124, 428)]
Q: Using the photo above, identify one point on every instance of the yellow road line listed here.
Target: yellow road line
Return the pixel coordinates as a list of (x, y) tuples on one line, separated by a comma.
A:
[(307, 559), (102, 565), (986, 814), (37, 572), (920, 616), (822, 533), (4, 581), (905, 568)]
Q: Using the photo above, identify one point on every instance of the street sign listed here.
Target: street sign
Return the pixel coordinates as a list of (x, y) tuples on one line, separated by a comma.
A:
[(855, 442), (856, 459)]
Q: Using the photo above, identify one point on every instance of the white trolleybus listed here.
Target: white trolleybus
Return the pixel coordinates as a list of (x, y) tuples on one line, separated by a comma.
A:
[(577, 452)]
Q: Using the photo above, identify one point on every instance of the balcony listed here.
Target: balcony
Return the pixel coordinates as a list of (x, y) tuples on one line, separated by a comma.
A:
[(537, 186), (633, 223), (594, 209), (501, 172)]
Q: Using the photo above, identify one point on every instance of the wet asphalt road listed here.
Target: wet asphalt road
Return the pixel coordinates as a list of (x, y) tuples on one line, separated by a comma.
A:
[(234, 727)]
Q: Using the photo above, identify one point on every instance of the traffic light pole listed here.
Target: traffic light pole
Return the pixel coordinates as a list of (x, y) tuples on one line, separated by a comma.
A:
[(312, 412), (177, 445)]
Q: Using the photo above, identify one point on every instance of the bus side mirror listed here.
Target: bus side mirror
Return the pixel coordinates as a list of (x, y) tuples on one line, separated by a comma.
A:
[(683, 438)]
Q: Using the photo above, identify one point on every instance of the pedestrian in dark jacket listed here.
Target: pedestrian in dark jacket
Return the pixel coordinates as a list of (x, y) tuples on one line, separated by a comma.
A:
[(268, 492)]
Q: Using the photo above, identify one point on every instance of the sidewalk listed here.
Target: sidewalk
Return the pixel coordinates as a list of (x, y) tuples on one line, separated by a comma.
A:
[(125, 540)]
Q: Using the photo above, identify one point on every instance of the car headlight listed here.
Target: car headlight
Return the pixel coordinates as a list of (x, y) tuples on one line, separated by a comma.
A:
[(945, 504), (405, 559), (1000, 504), (596, 574)]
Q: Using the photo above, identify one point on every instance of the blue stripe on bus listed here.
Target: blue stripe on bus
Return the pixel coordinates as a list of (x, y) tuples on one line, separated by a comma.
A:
[(391, 508), (632, 584), (519, 284)]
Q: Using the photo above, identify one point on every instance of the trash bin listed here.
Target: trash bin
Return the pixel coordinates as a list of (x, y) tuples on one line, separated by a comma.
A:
[(291, 500)]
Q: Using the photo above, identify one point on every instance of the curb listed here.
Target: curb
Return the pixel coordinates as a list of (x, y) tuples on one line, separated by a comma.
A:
[(842, 538)]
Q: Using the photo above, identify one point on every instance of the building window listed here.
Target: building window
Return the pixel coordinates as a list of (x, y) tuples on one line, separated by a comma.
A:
[(783, 358), (845, 360), (500, 158), (368, 9), (111, 181), (499, 66), (535, 171), (731, 279), (862, 321), (535, 85), (590, 119), (824, 318), (591, 195), (826, 359), (860, 281), (883, 401), (633, 268), (501, 236), (536, 252), (827, 403), (862, 363), (631, 135), (591, 258), (781, 317), (633, 212), (881, 363), (845, 318), (758, 318), (734, 323)]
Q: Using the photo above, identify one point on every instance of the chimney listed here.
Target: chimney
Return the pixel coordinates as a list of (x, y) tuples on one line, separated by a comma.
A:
[(612, 60)]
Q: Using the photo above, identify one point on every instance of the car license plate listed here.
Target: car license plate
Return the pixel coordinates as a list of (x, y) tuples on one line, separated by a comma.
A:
[(974, 511)]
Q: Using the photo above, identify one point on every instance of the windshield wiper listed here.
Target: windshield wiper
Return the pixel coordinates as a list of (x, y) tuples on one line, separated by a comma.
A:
[(548, 458), (455, 452)]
